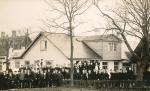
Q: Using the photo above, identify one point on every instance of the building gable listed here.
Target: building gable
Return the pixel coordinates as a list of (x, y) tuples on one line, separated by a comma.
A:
[(62, 43)]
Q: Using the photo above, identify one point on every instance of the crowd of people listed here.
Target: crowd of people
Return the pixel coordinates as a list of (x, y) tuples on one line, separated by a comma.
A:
[(50, 76), (91, 70), (25, 78)]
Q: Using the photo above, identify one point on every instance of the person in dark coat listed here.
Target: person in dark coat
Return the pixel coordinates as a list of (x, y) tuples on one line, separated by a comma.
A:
[(54, 78), (77, 75), (38, 75), (16, 80), (49, 78), (6, 79), (95, 75), (67, 73), (90, 75), (84, 75), (22, 78), (43, 78), (35, 79), (28, 79), (59, 78), (10, 80), (63, 73)]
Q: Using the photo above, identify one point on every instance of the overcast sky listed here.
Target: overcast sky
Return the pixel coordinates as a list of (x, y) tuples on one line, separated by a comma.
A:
[(22, 14)]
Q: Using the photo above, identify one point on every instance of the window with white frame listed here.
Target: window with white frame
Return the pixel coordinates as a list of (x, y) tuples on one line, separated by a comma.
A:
[(104, 65), (17, 64), (116, 66), (43, 45), (112, 46)]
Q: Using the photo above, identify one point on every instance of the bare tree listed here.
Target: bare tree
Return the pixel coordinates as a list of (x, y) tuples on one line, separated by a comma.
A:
[(69, 10), (134, 20), (10, 42)]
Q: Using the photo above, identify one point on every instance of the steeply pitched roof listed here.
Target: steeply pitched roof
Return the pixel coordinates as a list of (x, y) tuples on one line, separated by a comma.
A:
[(93, 42), (62, 42), (109, 37)]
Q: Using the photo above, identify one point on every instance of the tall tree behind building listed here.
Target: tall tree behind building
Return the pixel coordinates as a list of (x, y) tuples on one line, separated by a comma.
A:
[(132, 19), (15, 42), (67, 11)]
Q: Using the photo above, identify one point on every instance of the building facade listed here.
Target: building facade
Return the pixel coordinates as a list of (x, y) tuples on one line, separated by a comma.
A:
[(53, 49), (109, 47)]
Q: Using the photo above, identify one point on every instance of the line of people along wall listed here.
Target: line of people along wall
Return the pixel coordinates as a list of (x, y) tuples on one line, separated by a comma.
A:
[(53, 76)]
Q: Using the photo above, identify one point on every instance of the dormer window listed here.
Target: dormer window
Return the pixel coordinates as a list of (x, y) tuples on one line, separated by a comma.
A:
[(112, 46), (43, 45)]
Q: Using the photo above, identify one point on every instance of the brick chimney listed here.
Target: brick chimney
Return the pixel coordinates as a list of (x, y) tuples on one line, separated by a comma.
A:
[(13, 33), (2, 34)]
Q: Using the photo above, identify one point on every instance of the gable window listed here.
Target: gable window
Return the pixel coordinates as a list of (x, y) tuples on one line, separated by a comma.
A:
[(112, 46), (43, 45), (105, 65)]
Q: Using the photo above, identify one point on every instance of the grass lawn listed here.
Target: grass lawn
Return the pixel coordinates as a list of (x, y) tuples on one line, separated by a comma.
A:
[(52, 89), (79, 89)]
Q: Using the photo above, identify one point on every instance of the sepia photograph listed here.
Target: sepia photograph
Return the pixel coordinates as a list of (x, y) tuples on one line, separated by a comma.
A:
[(74, 45)]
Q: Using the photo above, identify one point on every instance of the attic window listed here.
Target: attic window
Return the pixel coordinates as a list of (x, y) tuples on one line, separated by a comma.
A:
[(43, 45), (112, 46)]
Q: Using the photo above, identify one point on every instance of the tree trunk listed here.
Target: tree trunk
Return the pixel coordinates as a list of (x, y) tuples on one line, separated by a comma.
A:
[(140, 71), (140, 74), (7, 55), (71, 55), (71, 63)]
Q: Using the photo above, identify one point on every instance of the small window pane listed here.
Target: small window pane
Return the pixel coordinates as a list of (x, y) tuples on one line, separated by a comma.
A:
[(43, 45), (104, 63)]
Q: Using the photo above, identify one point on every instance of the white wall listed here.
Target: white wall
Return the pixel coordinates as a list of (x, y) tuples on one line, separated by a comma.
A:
[(110, 65), (3, 65), (111, 55), (52, 53)]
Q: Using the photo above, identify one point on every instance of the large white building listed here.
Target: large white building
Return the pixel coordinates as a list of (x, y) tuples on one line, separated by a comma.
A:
[(54, 49)]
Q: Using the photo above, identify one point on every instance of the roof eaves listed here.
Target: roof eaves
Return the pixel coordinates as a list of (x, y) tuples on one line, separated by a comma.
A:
[(92, 50)]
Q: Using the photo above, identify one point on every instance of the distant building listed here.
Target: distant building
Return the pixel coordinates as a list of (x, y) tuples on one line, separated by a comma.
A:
[(53, 49), (12, 46)]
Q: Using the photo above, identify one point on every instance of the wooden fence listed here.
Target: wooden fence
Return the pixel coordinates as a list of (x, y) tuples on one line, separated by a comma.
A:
[(95, 85), (107, 84)]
